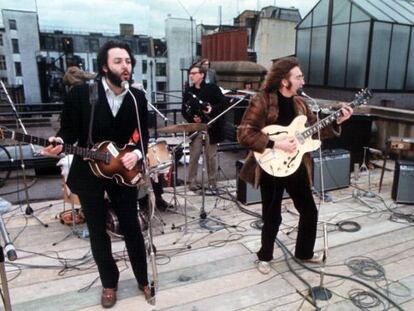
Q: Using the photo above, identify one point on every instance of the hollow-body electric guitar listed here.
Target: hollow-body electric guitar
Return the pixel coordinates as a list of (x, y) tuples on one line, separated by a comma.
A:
[(279, 163), (104, 158)]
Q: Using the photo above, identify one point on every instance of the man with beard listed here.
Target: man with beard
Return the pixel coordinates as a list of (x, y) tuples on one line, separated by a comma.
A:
[(278, 103), (111, 117)]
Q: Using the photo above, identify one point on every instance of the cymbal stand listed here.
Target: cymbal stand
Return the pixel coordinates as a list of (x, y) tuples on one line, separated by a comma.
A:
[(29, 210), (364, 168), (358, 193), (204, 219)]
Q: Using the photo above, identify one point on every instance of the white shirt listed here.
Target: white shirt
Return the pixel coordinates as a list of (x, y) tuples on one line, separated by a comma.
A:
[(114, 100)]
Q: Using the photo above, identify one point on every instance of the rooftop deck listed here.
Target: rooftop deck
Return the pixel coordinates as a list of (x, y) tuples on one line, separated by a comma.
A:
[(210, 266)]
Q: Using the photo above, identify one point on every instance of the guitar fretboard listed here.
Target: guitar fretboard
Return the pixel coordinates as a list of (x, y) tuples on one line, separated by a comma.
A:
[(81, 151), (324, 122)]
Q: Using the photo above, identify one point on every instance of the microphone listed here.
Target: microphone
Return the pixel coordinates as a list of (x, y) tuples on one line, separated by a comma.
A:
[(314, 105), (8, 245), (125, 85)]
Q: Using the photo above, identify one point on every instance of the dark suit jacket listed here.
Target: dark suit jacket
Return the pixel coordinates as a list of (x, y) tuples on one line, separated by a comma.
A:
[(75, 128), (208, 93)]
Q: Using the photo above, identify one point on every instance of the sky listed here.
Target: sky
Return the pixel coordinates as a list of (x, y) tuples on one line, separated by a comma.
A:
[(148, 16)]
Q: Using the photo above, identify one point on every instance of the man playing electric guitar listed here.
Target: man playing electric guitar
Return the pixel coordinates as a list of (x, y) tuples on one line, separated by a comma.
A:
[(201, 103), (278, 103)]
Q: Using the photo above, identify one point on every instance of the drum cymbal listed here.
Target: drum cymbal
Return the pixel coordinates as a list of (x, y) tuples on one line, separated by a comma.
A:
[(185, 127)]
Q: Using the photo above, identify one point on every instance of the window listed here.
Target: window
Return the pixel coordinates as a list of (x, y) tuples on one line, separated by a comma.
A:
[(3, 62), (5, 81), (145, 84), (94, 65), (144, 66), (161, 69), (15, 46), (93, 45), (48, 43), (161, 87), (1, 39), (18, 68), (12, 24)]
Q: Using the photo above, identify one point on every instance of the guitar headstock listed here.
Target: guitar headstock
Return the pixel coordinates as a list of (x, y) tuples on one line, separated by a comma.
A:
[(4, 132), (362, 97)]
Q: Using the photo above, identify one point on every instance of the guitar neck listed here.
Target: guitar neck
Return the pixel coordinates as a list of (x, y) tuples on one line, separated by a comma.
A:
[(67, 148), (324, 122)]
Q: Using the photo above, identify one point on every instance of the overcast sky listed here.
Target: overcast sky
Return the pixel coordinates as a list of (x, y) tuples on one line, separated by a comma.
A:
[(148, 16)]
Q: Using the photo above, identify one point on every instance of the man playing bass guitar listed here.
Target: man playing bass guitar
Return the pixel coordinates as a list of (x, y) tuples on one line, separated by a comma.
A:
[(108, 115)]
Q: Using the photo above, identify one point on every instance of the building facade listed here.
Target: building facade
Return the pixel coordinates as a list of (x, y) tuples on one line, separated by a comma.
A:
[(19, 46)]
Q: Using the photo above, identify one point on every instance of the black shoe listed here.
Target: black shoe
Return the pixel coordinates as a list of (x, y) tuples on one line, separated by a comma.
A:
[(163, 205)]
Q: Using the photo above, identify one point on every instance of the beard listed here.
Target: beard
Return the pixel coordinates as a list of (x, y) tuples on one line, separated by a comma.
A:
[(114, 78)]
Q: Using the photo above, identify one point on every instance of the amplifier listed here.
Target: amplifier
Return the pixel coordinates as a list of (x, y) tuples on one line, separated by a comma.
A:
[(402, 185), (336, 164), (246, 194)]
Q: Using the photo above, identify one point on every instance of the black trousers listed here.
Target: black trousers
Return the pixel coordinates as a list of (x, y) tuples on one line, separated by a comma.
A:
[(124, 201), (298, 187)]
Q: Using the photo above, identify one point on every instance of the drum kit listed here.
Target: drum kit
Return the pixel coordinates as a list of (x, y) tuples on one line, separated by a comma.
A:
[(160, 161)]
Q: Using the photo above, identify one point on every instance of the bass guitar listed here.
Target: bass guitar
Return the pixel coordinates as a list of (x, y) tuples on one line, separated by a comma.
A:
[(279, 163), (104, 158)]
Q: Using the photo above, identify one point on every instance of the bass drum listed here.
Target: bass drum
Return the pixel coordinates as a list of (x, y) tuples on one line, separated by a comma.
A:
[(112, 223)]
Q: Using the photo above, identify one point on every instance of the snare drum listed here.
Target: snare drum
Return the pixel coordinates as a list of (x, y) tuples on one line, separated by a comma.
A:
[(159, 158), (112, 223)]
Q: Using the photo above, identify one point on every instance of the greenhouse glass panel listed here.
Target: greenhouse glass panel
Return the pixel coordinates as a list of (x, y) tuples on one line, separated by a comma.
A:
[(410, 65), (320, 13), (341, 11), (398, 57), (337, 55), (303, 50), (318, 55), (357, 54), (379, 55)]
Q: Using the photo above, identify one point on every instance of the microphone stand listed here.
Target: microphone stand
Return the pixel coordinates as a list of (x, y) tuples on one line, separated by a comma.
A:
[(153, 107), (151, 204), (203, 214), (320, 292), (316, 109), (4, 283), (29, 210)]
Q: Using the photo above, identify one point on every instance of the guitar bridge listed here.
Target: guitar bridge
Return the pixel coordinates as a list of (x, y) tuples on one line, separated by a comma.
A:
[(107, 158)]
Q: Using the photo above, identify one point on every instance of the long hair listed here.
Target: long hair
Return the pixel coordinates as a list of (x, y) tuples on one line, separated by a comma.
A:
[(102, 58), (278, 72)]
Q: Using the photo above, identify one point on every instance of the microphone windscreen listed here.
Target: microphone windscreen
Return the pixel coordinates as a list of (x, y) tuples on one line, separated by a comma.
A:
[(300, 92), (4, 206), (125, 85)]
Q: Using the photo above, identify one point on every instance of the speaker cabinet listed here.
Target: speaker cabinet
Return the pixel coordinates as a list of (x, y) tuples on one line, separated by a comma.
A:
[(402, 186), (336, 165), (246, 194)]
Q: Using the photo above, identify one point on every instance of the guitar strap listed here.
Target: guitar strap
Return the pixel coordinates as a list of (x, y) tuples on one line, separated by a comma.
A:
[(93, 100)]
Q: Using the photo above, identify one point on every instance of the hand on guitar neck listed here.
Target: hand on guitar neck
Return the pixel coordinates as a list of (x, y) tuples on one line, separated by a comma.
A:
[(346, 111), (55, 147)]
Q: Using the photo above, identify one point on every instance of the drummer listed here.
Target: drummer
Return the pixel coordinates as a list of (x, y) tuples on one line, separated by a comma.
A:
[(201, 103)]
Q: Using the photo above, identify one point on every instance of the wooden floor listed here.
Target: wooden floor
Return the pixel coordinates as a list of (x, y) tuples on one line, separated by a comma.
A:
[(211, 266)]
